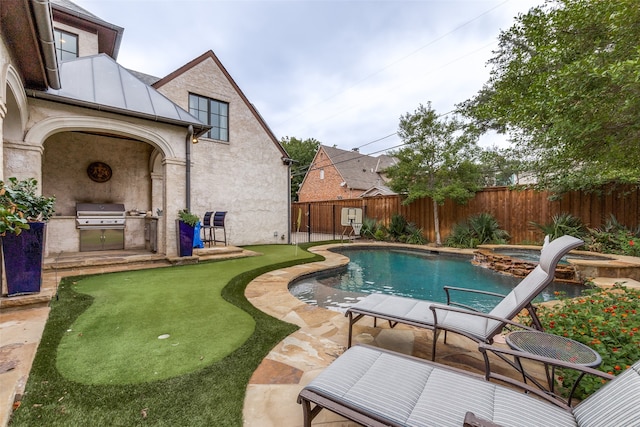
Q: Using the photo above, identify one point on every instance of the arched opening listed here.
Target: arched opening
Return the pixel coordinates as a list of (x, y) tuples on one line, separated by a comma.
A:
[(133, 157)]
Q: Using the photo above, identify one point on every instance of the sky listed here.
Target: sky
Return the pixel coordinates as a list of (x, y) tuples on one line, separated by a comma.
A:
[(340, 71)]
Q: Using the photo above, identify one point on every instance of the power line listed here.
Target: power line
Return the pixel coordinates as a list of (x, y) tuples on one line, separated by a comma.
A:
[(305, 169), (403, 58), (357, 149), (311, 166)]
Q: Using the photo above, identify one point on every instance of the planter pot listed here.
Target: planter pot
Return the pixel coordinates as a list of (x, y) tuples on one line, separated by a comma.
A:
[(185, 239), (23, 259)]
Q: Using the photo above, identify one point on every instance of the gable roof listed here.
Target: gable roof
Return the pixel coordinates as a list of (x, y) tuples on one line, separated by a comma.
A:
[(378, 190), (99, 82), (359, 171), (109, 35), (210, 55)]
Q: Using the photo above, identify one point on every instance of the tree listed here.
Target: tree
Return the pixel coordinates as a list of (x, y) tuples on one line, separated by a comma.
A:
[(565, 85), (302, 152), (436, 161), (499, 166)]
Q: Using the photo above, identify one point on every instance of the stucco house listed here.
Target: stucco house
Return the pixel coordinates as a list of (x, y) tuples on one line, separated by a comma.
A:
[(337, 174), (91, 131)]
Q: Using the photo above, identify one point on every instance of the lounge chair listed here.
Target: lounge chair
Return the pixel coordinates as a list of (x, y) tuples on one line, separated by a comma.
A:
[(452, 317), (376, 387)]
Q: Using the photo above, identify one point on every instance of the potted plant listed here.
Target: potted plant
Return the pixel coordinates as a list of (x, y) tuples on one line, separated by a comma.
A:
[(186, 226), (23, 217)]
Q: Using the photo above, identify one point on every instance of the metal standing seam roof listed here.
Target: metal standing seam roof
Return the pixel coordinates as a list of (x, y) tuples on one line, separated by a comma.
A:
[(100, 82), (359, 171)]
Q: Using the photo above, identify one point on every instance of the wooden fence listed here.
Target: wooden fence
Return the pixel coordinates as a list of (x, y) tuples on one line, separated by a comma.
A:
[(513, 209)]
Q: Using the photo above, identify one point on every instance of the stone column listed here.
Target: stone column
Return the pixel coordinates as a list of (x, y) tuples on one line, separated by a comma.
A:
[(3, 113), (157, 203), (174, 201)]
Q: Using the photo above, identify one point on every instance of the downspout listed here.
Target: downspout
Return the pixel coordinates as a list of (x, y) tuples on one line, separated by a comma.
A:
[(288, 162), (43, 20), (188, 141)]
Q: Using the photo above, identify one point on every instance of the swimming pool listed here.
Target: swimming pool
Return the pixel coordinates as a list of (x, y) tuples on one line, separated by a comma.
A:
[(415, 274)]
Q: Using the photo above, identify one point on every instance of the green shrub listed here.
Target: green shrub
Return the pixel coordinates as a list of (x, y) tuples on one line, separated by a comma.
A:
[(477, 230), (413, 235), (561, 225), (487, 230), (380, 234), (604, 319), (399, 230), (369, 228), (188, 217), (461, 236), (20, 204), (614, 238), (397, 227)]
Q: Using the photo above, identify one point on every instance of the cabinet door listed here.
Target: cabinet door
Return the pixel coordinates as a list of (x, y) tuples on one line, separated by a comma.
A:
[(101, 240), (112, 240), (90, 240)]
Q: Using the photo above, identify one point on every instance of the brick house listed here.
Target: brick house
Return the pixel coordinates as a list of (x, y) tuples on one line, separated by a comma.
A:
[(341, 174), (187, 140)]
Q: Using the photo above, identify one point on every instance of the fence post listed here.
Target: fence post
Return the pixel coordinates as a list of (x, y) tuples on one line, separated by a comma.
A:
[(309, 222), (333, 220)]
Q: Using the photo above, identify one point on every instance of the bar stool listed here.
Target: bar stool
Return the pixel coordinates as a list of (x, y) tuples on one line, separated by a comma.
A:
[(207, 228), (218, 224)]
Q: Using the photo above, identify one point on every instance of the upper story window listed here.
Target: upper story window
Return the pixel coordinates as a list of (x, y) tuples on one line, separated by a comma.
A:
[(66, 45), (211, 112)]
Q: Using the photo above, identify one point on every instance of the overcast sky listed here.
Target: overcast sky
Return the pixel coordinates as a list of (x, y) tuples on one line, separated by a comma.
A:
[(339, 71)]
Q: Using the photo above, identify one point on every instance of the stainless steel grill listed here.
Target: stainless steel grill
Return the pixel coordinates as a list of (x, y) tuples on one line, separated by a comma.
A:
[(101, 226), (103, 216)]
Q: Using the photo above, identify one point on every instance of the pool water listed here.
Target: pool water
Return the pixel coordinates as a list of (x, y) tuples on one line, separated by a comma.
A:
[(412, 274)]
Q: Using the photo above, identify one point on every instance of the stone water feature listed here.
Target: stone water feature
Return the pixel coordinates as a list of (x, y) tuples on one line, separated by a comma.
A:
[(579, 267), (513, 266)]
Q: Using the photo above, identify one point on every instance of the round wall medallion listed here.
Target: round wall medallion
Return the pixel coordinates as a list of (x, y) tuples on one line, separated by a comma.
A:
[(99, 172)]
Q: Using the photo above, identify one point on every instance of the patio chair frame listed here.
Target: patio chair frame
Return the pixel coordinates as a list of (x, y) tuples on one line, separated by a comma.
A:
[(314, 398), (437, 321)]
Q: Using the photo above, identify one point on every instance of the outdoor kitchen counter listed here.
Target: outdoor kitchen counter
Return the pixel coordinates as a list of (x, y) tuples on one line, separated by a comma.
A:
[(62, 229), (134, 232)]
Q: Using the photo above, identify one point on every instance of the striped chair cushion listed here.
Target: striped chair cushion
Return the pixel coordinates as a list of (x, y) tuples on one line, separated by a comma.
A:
[(410, 309), (410, 392), (617, 404)]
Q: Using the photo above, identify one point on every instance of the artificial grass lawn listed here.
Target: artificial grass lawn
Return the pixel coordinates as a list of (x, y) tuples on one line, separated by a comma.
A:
[(119, 332), (212, 394)]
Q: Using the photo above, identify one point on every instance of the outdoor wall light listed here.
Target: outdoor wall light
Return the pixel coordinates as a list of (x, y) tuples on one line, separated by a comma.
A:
[(194, 140)]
